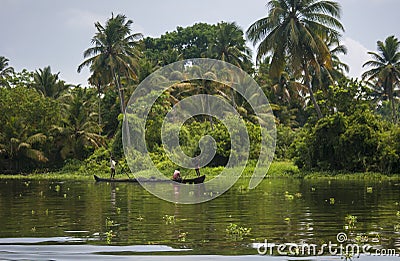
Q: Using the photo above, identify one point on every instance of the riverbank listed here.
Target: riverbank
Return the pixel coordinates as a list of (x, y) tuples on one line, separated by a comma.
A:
[(279, 169)]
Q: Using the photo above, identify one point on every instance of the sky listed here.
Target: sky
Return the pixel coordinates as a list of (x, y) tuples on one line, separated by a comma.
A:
[(40, 33)]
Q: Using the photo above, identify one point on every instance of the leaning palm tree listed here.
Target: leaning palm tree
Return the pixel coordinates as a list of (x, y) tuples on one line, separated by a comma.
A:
[(386, 69), (5, 71), (116, 50), (294, 32)]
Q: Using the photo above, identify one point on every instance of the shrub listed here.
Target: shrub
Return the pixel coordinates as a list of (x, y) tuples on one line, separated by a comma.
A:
[(358, 142)]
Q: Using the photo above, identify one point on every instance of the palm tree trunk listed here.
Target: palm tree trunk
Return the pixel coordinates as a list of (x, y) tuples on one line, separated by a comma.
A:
[(99, 91), (309, 87), (208, 106), (120, 93), (392, 105), (122, 97), (117, 81), (209, 114), (233, 97)]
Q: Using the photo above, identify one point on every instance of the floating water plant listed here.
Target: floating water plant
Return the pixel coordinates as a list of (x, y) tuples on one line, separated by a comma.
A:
[(182, 236), (237, 233), (397, 227), (350, 222), (169, 219), (109, 222), (109, 236), (288, 196)]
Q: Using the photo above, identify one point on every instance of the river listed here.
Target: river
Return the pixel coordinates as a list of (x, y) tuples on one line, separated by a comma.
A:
[(43, 220)]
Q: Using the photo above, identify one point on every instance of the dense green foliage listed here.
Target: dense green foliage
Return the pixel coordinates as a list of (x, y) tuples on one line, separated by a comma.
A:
[(325, 121), (353, 143)]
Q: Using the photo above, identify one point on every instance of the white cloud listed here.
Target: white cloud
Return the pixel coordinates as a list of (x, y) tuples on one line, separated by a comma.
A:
[(357, 55)]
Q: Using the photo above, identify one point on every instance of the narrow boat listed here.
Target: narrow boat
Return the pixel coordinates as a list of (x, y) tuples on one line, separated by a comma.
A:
[(197, 180)]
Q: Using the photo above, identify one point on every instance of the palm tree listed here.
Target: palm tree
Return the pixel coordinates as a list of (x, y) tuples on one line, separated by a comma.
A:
[(287, 89), (80, 128), (48, 84), (338, 67), (115, 50), (294, 32), (21, 147), (386, 68), (5, 71), (99, 80), (230, 46)]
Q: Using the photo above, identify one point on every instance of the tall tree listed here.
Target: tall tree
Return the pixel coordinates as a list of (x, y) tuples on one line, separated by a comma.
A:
[(5, 71), (386, 69), (115, 49), (190, 42), (294, 32)]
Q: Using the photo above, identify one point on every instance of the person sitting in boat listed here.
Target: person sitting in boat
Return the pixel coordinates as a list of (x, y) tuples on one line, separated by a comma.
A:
[(112, 166), (177, 175)]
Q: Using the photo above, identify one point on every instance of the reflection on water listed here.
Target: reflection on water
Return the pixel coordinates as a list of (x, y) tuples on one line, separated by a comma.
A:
[(58, 219)]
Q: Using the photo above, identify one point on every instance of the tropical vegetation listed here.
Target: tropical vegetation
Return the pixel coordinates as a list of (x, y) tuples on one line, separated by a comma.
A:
[(325, 120)]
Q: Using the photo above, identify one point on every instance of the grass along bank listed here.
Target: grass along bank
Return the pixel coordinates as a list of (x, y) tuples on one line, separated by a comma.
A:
[(278, 169)]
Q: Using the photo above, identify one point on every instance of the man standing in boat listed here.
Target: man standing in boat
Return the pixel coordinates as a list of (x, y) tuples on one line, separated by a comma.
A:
[(112, 166)]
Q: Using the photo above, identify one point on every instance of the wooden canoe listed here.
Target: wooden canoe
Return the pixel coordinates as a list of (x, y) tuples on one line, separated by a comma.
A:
[(197, 180)]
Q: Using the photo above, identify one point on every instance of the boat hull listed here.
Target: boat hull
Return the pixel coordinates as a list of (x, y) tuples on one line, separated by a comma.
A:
[(197, 180)]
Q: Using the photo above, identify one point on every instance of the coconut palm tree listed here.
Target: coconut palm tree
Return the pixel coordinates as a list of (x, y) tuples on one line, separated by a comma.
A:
[(5, 71), (80, 128), (115, 50), (386, 69), (21, 148), (328, 75), (287, 89), (294, 32), (100, 80), (48, 84), (230, 46)]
